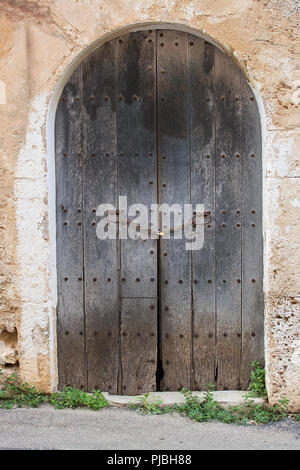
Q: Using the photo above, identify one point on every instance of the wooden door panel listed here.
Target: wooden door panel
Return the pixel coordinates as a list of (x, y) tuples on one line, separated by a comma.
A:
[(139, 345), (228, 221), (70, 318), (252, 236), (100, 187), (202, 124), (137, 155), (136, 132), (174, 187)]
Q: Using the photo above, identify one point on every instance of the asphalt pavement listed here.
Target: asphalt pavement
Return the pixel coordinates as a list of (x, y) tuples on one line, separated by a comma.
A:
[(120, 428)]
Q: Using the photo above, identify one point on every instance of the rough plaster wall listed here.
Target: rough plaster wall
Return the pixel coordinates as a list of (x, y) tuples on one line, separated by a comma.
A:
[(39, 39)]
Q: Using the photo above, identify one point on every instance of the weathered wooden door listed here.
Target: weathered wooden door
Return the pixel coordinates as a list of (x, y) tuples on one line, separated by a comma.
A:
[(160, 117)]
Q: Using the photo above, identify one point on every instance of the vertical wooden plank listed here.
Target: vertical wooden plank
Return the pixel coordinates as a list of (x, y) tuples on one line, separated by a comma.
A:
[(100, 187), (201, 78), (228, 220), (252, 238), (136, 121), (70, 312), (137, 154), (174, 187), (139, 345)]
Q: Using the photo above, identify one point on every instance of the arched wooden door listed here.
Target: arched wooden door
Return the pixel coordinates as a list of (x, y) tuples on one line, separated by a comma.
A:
[(159, 116)]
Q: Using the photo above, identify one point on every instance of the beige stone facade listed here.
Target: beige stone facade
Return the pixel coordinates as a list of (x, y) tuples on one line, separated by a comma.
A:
[(41, 42)]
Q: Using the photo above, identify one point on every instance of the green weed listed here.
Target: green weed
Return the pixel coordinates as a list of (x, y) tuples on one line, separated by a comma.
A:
[(20, 395), (204, 410), (257, 386), (74, 398), (16, 394), (209, 410), (149, 405)]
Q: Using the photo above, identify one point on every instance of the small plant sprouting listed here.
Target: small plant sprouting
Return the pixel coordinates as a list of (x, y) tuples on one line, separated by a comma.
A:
[(149, 405), (257, 386)]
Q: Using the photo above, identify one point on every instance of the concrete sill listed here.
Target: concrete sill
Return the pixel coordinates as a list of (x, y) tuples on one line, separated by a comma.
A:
[(225, 398)]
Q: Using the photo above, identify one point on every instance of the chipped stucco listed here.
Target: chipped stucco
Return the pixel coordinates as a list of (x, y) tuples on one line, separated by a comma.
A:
[(41, 41)]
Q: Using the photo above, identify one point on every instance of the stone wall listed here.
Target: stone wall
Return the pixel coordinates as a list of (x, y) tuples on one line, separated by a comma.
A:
[(40, 43)]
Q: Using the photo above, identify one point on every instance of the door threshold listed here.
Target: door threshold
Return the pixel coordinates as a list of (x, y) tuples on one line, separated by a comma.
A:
[(223, 397)]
